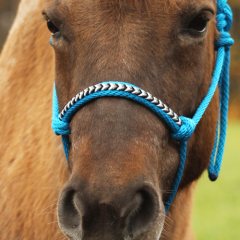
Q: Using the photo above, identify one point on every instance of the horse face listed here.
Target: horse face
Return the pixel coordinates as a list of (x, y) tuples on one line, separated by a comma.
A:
[(122, 158)]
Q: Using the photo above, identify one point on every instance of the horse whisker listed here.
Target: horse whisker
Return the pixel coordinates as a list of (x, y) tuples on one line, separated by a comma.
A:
[(47, 213), (46, 208), (53, 222)]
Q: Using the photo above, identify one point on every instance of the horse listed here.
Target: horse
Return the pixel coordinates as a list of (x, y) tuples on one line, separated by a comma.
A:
[(122, 159)]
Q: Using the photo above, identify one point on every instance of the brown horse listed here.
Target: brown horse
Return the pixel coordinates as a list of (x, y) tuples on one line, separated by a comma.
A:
[(122, 160)]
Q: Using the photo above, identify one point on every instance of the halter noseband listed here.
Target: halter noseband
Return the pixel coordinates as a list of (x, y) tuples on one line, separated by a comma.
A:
[(182, 127)]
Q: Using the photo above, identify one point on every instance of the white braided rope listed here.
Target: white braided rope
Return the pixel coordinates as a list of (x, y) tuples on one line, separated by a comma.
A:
[(122, 87)]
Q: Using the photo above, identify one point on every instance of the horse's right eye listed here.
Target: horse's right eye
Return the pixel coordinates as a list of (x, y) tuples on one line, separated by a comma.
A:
[(199, 24), (52, 28)]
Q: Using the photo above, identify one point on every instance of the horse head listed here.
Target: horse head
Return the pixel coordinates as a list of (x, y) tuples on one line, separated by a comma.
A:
[(122, 158)]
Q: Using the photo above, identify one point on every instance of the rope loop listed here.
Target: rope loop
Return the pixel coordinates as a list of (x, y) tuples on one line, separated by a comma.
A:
[(185, 131), (60, 127)]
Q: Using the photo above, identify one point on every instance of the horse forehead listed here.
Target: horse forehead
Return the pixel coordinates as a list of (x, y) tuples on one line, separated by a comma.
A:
[(175, 3)]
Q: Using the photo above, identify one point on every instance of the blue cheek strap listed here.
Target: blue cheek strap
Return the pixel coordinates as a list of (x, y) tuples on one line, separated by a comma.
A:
[(182, 127)]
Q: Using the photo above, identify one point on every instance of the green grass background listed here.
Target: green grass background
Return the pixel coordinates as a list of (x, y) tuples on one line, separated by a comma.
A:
[(217, 204)]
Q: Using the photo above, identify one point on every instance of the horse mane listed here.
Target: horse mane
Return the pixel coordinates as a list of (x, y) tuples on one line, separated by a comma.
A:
[(33, 168)]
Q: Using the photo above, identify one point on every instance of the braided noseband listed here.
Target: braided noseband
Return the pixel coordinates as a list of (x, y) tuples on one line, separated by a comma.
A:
[(182, 127)]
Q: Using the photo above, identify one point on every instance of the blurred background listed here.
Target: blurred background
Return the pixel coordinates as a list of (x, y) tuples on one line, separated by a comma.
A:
[(217, 205)]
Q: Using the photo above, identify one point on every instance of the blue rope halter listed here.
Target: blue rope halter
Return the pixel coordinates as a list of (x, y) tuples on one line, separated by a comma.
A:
[(182, 128)]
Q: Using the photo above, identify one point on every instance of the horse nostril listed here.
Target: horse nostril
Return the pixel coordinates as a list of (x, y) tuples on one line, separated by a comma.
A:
[(144, 213), (130, 214), (69, 216)]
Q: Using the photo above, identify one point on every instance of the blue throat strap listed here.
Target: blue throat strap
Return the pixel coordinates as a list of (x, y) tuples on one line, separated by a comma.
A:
[(180, 133)]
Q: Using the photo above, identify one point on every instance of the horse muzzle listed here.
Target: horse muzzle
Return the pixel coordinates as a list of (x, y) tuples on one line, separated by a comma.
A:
[(115, 213)]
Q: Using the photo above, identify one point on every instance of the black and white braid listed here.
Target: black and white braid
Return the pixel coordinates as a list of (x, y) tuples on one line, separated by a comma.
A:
[(122, 87)]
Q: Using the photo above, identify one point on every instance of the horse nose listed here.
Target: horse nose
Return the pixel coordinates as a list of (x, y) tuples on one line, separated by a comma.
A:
[(125, 214)]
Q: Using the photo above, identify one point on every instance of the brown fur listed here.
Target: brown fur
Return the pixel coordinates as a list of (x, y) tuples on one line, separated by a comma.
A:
[(33, 168), (31, 177)]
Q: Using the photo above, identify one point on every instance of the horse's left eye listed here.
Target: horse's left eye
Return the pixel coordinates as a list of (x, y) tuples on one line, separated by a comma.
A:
[(52, 28), (199, 24)]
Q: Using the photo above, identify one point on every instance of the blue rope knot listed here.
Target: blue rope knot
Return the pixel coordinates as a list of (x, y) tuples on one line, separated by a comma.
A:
[(224, 16), (224, 41), (185, 131), (60, 127), (224, 23)]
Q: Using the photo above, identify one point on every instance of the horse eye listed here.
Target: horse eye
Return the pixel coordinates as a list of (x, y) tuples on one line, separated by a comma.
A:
[(199, 24), (52, 28)]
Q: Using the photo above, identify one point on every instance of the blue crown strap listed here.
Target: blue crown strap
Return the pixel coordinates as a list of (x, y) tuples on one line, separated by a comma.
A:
[(216, 76)]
